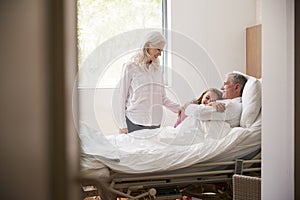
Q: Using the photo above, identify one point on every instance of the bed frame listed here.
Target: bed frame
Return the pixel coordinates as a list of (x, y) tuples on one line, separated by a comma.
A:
[(172, 184)]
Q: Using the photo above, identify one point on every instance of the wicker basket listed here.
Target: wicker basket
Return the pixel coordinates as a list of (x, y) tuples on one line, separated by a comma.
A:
[(246, 187)]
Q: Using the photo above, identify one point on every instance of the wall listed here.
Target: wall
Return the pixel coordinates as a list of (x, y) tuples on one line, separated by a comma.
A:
[(218, 26), (297, 98), (278, 85), (24, 101), (207, 39)]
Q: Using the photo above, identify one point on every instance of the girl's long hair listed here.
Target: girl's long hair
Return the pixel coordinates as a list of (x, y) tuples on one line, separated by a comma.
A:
[(198, 101), (215, 90)]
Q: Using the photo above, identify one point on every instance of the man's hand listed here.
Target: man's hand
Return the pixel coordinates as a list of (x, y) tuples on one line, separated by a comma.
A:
[(220, 107), (123, 130)]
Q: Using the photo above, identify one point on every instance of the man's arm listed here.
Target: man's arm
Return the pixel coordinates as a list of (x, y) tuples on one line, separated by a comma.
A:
[(202, 112)]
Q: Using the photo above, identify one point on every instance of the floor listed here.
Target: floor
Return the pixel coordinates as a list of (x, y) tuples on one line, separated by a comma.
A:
[(217, 191)]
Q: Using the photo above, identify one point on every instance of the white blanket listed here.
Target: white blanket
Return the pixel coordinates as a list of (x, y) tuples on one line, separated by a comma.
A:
[(170, 148)]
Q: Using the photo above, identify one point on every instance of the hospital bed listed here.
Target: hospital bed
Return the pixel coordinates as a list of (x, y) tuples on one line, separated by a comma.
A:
[(243, 158)]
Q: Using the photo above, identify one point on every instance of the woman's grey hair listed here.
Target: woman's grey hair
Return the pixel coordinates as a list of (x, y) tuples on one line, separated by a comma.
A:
[(238, 78), (153, 39)]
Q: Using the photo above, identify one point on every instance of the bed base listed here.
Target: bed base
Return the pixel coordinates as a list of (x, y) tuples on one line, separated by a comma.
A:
[(167, 185)]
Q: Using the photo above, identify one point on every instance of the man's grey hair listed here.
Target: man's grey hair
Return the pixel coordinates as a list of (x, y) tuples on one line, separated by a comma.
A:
[(238, 78)]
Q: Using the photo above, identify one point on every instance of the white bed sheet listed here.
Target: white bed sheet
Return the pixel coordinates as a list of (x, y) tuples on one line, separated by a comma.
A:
[(169, 148)]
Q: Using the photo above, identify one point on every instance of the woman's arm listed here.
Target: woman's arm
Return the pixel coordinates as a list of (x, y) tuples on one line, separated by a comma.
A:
[(175, 107)]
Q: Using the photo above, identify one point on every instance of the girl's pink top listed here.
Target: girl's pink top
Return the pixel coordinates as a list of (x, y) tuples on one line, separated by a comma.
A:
[(180, 119)]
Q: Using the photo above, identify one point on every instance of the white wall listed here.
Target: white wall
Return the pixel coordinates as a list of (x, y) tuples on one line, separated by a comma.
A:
[(217, 25), (278, 99), (208, 40)]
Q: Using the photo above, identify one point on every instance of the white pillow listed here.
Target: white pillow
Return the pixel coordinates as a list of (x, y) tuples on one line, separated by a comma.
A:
[(251, 101)]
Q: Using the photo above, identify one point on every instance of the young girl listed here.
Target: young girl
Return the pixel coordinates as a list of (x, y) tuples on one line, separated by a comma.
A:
[(208, 96)]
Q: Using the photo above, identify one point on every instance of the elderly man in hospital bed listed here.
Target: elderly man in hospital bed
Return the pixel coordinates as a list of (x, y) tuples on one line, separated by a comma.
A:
[(202, 136), (232, 93)]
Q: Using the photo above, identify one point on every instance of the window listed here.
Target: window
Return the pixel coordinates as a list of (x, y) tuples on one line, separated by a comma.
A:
[(109, 32)]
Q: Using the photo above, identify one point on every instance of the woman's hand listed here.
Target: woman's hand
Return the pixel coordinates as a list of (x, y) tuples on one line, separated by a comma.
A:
[(181, 110), (123, 130)]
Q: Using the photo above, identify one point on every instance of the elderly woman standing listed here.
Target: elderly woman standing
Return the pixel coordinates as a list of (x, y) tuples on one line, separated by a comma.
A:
[(142, 88)]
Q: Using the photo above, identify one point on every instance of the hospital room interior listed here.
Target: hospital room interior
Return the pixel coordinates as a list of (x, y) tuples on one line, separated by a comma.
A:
[(206, 39)]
